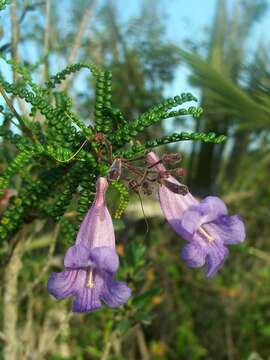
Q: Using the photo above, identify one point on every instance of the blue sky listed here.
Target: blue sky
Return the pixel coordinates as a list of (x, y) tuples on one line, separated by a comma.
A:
[(183, 19), (188, 19)]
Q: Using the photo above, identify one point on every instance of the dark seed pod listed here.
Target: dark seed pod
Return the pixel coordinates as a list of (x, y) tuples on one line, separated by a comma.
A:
[(171, 158), (179, 172), (115, 170), (175, 188)]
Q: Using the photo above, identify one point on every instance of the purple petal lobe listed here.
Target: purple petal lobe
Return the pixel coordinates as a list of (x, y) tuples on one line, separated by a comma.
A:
[(194, 255), (216, 256), (88, 301), (212, 207), (105, 258), (77, 256), (63, 284), (191, 220), (115, 293), (231, 229), (208, 210), (86, 298)]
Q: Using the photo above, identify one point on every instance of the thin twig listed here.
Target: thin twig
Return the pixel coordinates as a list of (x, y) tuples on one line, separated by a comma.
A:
[(15, 36), (145, 218), (29, 289), (44, 72), (142, 344), (259, 254), (11, 107), (237, 196), (27, 338), (28, 8), (229, 340), (23, 127), (10, 306), (107, 350), (77, 42), (2, 336), (45, 350)]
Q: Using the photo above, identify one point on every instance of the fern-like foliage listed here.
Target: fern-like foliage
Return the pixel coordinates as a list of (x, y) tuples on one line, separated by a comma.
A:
[(3, 4), (59, 157)]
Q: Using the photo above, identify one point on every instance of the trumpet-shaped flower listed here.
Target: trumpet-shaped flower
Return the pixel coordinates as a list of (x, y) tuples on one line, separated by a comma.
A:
[(91, 263), (205, 225)]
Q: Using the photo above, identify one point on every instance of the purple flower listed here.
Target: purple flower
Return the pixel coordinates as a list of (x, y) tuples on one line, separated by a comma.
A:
[(91, 263), (205, 225)]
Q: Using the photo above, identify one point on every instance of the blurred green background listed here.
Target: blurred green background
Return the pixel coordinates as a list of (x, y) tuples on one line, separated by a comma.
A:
[(219, 51)]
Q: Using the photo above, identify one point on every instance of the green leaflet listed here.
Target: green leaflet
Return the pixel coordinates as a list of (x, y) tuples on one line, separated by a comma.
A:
[(123, 200)]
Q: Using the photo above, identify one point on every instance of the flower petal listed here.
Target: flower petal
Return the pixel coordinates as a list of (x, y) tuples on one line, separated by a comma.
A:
[(97, 227), (191, 220), (231, 229), (212, 207), (114, 293), (194, 255), (77, 256), (105, 258), (208, 210), (63, 284), (173, 205), (215, 258), (86, 298)]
